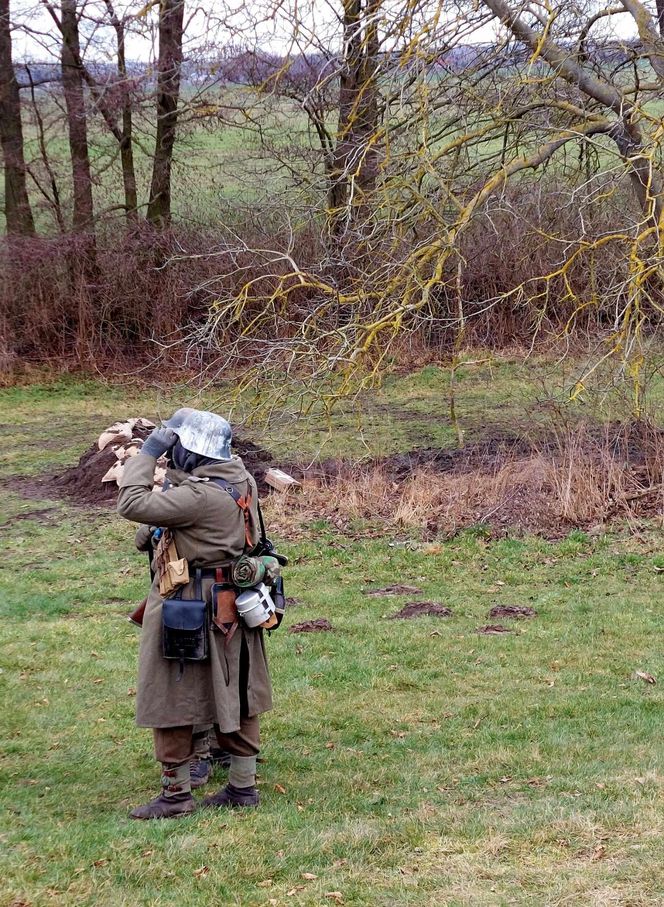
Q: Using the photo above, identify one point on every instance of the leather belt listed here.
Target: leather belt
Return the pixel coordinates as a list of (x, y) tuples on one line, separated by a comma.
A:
[(218, 574)]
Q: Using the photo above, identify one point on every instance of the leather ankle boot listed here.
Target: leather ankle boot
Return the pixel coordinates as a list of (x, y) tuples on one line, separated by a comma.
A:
[(165, 807), (231, 797)]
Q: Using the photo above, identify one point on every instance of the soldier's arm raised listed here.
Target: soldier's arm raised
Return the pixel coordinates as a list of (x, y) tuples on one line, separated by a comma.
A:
[(138, 502)]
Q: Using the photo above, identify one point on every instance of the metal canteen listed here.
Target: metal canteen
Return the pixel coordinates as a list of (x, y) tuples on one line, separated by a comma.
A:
[(255, 606)]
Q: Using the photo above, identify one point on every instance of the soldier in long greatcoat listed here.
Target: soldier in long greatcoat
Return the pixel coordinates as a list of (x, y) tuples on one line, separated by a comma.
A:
[(232, 687)]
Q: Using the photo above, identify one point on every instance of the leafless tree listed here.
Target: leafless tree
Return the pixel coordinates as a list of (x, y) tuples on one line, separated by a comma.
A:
[(126, 134), (18, 214), (171, 15), (72, 86)]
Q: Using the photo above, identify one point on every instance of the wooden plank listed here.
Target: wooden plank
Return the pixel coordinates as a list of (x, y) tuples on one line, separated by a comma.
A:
[(280, 480)]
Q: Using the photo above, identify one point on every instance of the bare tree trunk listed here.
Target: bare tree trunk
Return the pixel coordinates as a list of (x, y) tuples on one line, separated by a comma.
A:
[(126, 147), (171, 15), (18, 214), (122, 136), (355, 164), (660, 16), (72, 84)]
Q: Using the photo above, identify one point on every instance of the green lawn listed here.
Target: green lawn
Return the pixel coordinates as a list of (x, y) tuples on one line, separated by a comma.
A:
[(407, 762)]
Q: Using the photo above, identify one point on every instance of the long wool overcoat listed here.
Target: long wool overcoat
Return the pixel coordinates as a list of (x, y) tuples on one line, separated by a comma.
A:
[(208, 527)]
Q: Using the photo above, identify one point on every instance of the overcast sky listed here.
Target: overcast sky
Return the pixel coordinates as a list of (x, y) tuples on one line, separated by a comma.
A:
[(264, 23)]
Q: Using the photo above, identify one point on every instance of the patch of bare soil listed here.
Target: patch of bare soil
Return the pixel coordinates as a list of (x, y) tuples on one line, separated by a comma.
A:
[(580, 477), (513, 612), (481, 454), (45, 515), (394, 589), (493, 630), (319, 625), (421, 609)]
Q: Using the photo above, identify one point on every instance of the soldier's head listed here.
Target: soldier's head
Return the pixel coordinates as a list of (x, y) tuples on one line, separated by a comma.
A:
[(203, 437)]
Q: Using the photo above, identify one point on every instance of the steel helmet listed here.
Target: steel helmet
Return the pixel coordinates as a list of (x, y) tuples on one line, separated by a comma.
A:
[(202, 433)]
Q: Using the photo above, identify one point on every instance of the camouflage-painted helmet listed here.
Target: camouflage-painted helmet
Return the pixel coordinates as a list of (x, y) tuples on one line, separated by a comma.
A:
[(201, 432)]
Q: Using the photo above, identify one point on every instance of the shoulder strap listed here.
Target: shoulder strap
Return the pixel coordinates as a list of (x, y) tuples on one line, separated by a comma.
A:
[(243, 501)]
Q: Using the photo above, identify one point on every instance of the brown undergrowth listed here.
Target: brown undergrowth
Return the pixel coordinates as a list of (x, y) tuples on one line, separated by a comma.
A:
[(580, 477)]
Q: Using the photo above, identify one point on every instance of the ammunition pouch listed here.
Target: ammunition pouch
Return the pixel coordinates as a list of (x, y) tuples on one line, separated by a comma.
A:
[(186, 626)]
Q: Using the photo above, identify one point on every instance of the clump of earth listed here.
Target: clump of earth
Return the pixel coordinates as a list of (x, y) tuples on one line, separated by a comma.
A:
[(421, 609), (83, 482), (319, 625)]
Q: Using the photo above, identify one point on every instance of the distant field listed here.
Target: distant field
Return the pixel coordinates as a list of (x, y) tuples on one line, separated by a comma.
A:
[(253, 150), (217, 165)]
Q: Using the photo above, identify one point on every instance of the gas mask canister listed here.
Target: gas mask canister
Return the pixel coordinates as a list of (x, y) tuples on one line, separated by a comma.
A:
[(255, 606)]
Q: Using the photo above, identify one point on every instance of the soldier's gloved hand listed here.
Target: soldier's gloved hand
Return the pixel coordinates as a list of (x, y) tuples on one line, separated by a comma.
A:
[(161, 440)]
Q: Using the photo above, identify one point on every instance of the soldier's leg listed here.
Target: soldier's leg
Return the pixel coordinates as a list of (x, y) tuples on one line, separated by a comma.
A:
[(201, 763), (174, 749), (219, 756), (244, 746)]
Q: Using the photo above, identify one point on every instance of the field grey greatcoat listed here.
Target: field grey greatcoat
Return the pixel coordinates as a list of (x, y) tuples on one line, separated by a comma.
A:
[(208, 527)]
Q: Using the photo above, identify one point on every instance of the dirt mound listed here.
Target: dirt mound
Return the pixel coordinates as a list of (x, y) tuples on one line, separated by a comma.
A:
[(514, 612), (320, 625), (83, 483), (421, 609), (398, 467), (579, 476), (558, 480)]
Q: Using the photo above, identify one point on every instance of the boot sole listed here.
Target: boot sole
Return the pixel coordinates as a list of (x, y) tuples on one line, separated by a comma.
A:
[(160, 818), (204, 805)]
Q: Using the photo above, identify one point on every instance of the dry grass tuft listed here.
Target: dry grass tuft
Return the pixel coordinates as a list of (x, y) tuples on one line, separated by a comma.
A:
[(582, 477)]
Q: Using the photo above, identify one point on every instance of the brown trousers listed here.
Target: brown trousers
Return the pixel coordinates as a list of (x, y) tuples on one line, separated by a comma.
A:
[(175, 744)]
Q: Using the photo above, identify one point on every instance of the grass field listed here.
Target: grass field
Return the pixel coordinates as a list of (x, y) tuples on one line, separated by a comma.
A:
[(406, 762)]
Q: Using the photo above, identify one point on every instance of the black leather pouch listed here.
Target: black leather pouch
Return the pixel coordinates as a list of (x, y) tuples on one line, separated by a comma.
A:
[(186, 626)]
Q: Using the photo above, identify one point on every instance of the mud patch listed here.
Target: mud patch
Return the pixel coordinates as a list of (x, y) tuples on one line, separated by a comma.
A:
[(421, 609), (493, 630), (546, 483), (43, 516), (319, 625), (292, 601), (394, 589), (513, 612)]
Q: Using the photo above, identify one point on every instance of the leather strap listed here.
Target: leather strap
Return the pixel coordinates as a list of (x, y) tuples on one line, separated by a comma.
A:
[(243, 501)]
